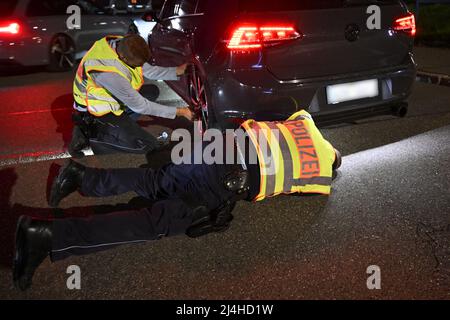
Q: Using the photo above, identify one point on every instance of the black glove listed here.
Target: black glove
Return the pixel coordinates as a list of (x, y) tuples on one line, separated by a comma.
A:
[(238, 182), (205, 222)]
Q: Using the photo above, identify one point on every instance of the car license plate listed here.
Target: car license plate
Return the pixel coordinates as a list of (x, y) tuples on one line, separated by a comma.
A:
[(352, 91)]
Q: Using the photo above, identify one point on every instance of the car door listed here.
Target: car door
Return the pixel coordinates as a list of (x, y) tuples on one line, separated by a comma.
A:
[(171, 37)]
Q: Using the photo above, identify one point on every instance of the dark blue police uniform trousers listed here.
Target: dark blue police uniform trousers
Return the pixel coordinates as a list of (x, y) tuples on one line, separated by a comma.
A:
[(170, 215), (111, 133)]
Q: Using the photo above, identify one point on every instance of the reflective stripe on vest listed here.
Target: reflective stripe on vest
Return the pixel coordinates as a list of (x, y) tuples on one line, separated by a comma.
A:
[(102, 58), (293, 156)]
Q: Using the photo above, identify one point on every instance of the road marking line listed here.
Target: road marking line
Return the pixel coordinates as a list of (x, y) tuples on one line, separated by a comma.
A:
[(19, 113), (10, 160)]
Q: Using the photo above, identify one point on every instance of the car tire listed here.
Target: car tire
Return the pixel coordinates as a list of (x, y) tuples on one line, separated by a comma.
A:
[(61, 54), (200, 100)]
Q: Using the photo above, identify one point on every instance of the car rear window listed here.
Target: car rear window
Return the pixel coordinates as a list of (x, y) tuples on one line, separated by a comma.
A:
[(7, 7), (296, 5)]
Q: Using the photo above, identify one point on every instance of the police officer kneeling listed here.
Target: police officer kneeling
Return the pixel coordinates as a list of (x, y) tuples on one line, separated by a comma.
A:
[(192, 199), (109, 100)]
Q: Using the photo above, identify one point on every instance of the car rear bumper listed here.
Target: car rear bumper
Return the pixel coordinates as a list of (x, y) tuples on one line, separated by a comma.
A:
[(258, 95)]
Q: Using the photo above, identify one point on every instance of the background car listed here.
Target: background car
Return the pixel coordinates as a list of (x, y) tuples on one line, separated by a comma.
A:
[(144, 24), (266, 59), (125, 6), (34, 32)]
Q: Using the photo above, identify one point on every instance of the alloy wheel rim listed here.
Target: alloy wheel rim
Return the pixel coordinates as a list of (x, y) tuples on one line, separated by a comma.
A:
[(63, 51), (199, 99)]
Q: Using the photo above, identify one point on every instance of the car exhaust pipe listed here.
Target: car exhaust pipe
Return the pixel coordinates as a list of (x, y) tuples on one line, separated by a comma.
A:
[(400, 110)]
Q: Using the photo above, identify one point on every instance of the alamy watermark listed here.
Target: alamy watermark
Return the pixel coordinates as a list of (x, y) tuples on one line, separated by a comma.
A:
[(374, 20), (73, 22), (74, 280), (215, 147), (374, 280)]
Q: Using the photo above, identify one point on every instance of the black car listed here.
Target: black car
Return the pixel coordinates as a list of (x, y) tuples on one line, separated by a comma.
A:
[(266, 59)]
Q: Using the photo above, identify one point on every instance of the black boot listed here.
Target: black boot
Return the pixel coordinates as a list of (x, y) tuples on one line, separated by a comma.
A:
[(68, 181), (79, 142), (33, 245)]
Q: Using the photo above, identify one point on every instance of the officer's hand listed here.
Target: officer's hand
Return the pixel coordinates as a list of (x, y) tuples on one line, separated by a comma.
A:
[(181, 69), (186, 112)]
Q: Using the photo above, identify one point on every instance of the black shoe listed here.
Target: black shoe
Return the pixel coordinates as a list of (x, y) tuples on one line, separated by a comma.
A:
[(78, 143), (68, 181), (33, 245)]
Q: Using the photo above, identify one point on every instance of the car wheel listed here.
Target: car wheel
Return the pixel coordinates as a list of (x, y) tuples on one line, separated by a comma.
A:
[(200, 101), (62, 54)]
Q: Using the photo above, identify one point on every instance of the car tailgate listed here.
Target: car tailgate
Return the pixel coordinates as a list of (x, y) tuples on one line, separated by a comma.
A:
[(328, 46)]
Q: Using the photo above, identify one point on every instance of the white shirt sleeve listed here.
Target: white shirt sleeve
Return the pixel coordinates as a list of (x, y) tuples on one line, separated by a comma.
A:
[(121, 90)]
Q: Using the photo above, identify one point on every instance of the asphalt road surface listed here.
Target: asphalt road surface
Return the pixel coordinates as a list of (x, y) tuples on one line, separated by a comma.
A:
[(390, 207)]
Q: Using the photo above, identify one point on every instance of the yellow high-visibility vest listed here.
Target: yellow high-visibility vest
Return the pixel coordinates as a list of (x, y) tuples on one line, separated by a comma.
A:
[(293, 156), (103, 58)]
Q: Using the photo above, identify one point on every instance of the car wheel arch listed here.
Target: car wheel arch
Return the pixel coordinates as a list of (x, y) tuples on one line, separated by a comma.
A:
[(208, 84), (50, 43), (64, 34)]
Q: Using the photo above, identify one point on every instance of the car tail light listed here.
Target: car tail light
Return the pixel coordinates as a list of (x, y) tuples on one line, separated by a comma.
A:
[(248, 37), (9, 28), (406, 24)]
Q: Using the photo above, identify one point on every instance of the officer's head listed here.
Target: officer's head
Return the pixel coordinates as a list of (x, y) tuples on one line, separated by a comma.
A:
[(133, 50)]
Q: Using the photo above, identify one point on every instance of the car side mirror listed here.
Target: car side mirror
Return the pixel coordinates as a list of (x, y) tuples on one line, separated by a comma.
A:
[(150, 16)]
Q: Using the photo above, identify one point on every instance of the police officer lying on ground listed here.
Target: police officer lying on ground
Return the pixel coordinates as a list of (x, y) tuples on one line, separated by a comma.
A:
[(192, 199), (108, 102)]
